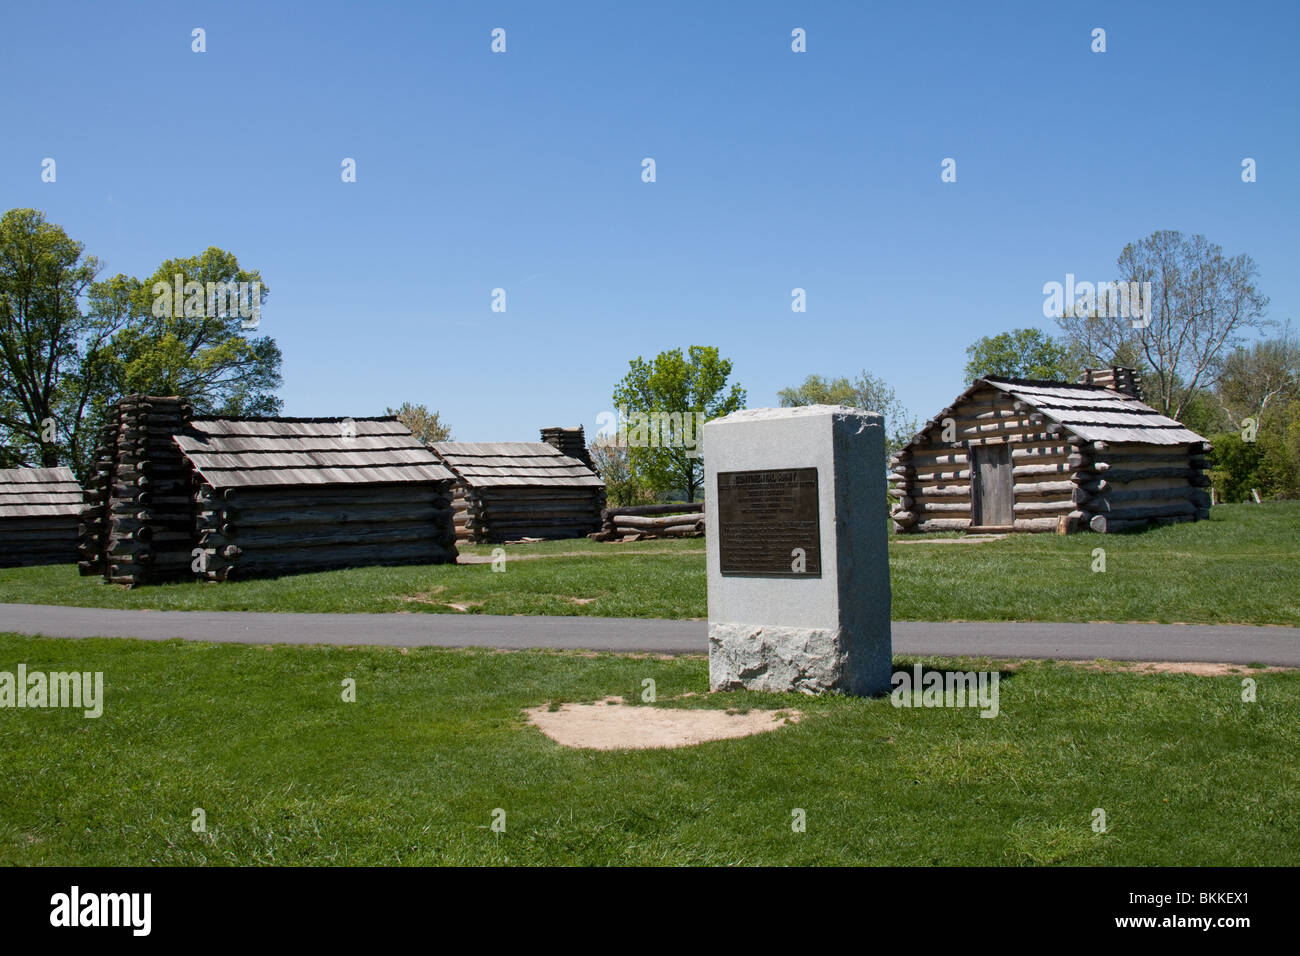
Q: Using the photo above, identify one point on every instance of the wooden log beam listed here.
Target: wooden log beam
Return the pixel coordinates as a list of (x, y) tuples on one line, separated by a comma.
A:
[(328, 537), (928, 507), (650, 521), (654, 510), (942, 477), (1037, 524), (926, 457), (1056, 468), (943, 524), (684, 531), (337, 495), (1039, 488), (1040, 453), (941, 491), (1108, 505), (361, 515), (1012, 440), (1123, 476), (255, 565), (1142, 512), (1122, 452), (1032, 508), (1104, 524)]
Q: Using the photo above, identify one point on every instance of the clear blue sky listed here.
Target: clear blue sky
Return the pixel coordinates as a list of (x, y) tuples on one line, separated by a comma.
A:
[(818, 170)]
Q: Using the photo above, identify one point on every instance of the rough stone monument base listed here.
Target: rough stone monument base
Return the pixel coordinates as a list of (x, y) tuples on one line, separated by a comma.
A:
[(797, 543), (754, 657)]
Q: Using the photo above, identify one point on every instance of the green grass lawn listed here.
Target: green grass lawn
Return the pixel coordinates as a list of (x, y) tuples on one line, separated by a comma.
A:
[(1241, 566), (287, 773)]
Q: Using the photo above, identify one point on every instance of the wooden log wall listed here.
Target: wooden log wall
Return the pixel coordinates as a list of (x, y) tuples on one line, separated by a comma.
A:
[(1120, 487), (251, 532), (92, 529), (137, 525), (495, 514), (38, 540), (641, 522)]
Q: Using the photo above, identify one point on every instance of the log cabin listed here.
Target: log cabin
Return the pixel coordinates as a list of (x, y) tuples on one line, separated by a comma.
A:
[(1024, 455), (506, 491), (174, 496), (38, 516), (287, 495)]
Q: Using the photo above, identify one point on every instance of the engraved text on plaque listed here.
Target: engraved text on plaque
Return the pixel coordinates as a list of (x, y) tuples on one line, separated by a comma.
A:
[(767, 522)]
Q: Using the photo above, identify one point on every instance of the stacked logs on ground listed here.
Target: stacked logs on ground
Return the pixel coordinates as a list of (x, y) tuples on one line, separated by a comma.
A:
[(642, 522), (137, 525), (257, 531), (497, 514), (1121, 487)]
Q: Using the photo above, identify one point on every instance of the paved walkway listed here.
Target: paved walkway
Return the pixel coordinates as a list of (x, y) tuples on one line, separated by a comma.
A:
[(1230, 643)]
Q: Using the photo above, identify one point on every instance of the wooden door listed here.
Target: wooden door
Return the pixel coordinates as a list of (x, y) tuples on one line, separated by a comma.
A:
[(992, 499)]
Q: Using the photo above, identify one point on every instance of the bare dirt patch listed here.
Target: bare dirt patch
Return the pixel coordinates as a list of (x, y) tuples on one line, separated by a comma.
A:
[(1198, 668), (425, 597), (621, 727), (487, 558), (464, 605), (968, 539)]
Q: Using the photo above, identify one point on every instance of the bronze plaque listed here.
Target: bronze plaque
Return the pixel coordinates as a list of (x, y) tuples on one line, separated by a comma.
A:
[(764, 517)]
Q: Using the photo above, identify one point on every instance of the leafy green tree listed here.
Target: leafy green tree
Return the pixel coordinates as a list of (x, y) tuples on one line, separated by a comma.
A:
[(674, 383), (43, 274), (623, 486), (1254, 382), (1279, 446), (867, 392), (1282, 458), (71, 345), (424, 424), (1257, 394), (1235, 465), (1022, 353), (200, 348), (1204, 415)]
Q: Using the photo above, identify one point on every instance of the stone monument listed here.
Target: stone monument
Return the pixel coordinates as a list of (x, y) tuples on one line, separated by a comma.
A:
[(797, 543)]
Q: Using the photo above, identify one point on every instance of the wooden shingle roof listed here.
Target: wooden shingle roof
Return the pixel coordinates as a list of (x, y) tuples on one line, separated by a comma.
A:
[(515, 464), (265, 452), (39, 493), (1088, 412), (1094, 413)]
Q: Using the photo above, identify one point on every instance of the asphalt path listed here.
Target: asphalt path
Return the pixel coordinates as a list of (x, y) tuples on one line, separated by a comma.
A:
[(1216, 643)]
